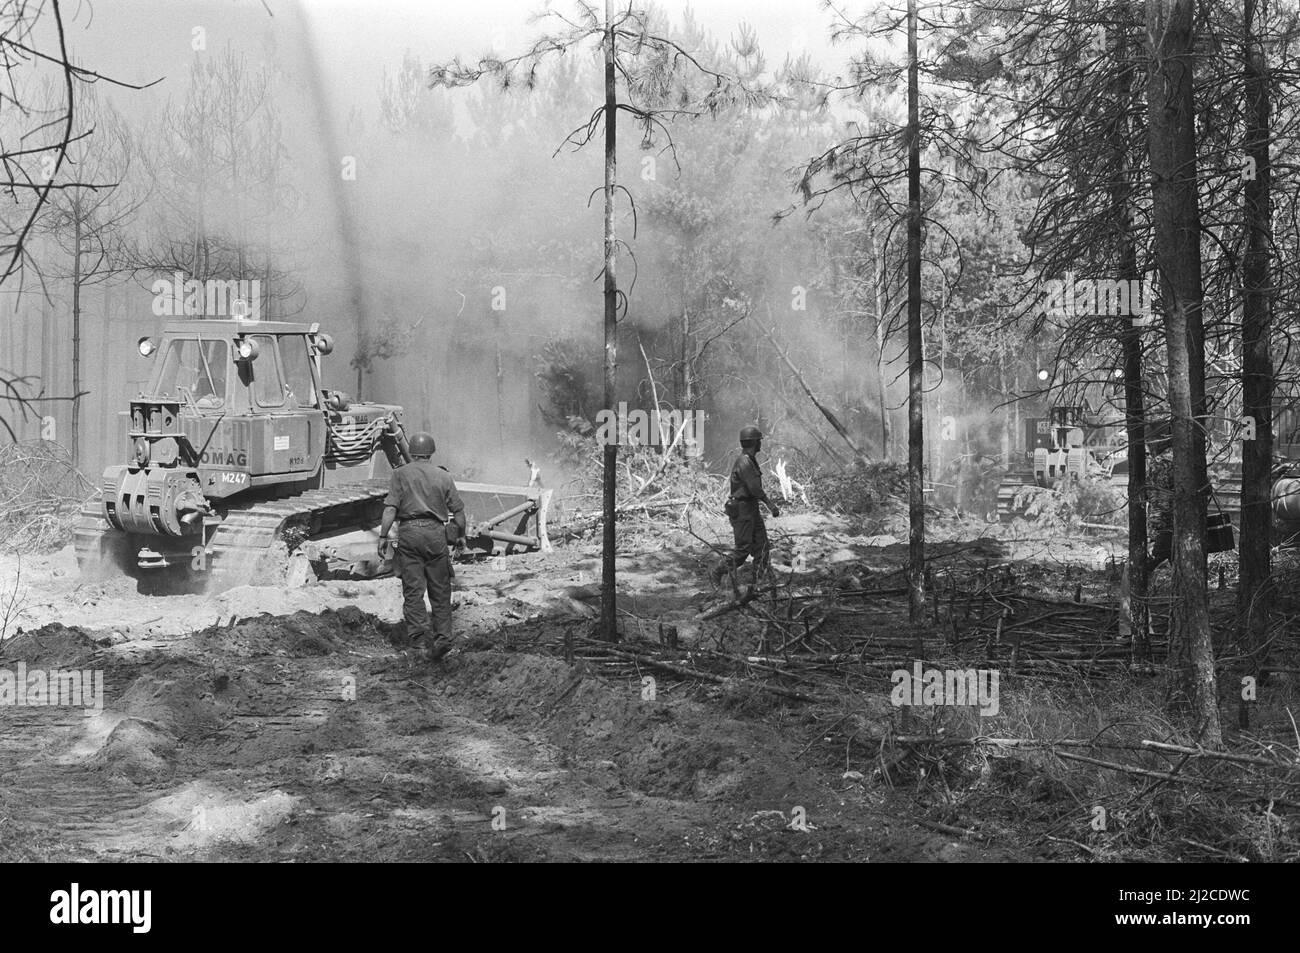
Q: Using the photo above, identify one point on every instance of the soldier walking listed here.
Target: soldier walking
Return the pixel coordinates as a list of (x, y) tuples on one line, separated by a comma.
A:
[(424, 500), (742, 509)]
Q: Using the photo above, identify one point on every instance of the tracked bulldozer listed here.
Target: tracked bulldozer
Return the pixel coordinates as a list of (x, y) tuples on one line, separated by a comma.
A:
[(1057, 449), (242, 467)]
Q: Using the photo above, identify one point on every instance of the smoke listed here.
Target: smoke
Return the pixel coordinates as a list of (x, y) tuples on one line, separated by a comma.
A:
[(443, 241)]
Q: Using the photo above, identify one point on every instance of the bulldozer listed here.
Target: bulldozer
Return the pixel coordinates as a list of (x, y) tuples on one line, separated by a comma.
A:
[(1059, 447), (241, 467)]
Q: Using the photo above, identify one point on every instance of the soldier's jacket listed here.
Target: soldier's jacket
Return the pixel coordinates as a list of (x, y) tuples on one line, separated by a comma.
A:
[(747, 480), (421, 489)]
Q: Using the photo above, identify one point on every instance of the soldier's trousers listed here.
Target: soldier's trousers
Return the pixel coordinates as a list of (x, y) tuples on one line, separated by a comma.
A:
[(750, 536), (424, 564)]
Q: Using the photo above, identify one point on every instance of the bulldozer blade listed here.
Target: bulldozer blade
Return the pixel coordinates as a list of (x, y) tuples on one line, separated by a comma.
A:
[(490, 506)]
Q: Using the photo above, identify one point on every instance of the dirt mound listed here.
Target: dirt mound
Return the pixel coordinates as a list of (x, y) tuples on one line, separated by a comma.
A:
[(508, 685), (662, 747), (52, 646), (179, 696), (202, 814), (292, 737), (301, 635), (694, 753), (138, 751)]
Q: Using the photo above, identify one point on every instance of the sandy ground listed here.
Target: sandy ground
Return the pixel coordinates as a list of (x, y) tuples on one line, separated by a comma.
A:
[(270, 723)]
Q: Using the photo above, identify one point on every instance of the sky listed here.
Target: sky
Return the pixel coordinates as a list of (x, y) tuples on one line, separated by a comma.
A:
[(328, 59), (141, 41)]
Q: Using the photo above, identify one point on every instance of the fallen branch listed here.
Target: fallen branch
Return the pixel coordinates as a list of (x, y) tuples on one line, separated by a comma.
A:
[(949, 829), (750, 594), (1165, 776), (826, 411), (1214, 755), (689, 672)]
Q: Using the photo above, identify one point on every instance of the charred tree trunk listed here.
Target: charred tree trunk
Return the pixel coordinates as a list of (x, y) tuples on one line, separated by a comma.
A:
[(915, 359), (687, 398), (1176, 217), (686, 352), (608, 608), (1254, 590), (882, 394), (1130, 337), (75, 449)]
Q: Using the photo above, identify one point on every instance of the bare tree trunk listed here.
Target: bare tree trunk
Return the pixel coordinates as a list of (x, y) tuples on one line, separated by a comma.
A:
[(1254, 591), (915, 370), (1006, 418), (938, 459), (684, 355), (1131, 348), (501, 382), (608, 609), (882, 396), (1018, 444), (688, 363), (76, 341), (1172, 145)]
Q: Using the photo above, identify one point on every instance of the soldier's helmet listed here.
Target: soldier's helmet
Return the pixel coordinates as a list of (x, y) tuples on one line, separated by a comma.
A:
[(750, 434), (422, 445)]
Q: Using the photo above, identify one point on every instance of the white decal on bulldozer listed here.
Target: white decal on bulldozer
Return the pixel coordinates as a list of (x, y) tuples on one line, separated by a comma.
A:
[(228, 458)]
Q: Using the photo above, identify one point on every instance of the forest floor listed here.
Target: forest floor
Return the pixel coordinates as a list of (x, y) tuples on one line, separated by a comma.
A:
[(268, 723)]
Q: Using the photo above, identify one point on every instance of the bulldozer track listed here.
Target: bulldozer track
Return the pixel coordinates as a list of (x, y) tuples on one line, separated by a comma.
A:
[(247, 534), (238, 548), (1011, 497), (89, 526), (88, 532)]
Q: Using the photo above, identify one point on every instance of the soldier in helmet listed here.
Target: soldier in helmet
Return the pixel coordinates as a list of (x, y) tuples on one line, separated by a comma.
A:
[(423, 499), (742, 508)]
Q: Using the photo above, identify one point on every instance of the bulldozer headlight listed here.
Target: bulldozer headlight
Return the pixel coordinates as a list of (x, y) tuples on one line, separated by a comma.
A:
[(142, 451), (145, 346), (1043, 375), (323, 343), (247, 349)]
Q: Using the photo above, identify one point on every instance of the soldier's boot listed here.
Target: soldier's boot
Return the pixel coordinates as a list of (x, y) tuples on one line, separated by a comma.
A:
[(718, 572), (438, 649), (416, 641)]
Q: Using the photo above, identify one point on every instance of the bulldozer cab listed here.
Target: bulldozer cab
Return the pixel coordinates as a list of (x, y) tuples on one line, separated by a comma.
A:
[(1062, 429), (237, 368), (1066, 416), (192, 368), (239, 401)]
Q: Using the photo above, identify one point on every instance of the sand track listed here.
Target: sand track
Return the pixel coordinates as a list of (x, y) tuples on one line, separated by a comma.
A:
[(273, 724)]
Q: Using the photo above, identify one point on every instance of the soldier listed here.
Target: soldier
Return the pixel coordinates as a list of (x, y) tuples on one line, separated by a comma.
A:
[(742, 508), (423, 498)]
